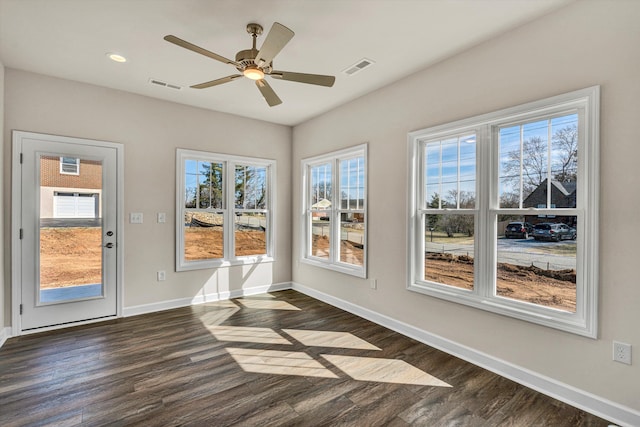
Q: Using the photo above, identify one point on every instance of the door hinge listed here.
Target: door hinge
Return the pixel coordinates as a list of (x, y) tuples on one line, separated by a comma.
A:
[(20, 158), (21, 234), (20, 309)]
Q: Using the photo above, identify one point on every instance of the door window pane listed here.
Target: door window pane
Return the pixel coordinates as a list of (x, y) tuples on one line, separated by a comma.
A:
[(70, 232)]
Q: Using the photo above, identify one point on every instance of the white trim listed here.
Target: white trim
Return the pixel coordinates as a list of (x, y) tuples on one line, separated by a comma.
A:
[(334, 158), (583, 321), (203, 299), (5, 334), (589, 402), (228, 211), (16, 218)]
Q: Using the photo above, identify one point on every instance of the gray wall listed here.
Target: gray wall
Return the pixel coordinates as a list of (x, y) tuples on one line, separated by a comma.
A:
[(585, 44), (151, 130)]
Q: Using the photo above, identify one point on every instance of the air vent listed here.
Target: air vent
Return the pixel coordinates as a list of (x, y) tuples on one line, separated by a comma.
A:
[(164, 84), (358, 66)]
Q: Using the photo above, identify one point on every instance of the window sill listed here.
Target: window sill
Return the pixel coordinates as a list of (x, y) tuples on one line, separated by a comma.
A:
[(557, 319)]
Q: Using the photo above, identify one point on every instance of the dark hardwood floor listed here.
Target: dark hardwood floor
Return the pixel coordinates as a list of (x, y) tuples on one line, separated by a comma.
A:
[(280, 359)]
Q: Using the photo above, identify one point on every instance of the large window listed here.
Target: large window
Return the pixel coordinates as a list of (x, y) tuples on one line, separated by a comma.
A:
[(335, 211), (224, 214), (504, 211)]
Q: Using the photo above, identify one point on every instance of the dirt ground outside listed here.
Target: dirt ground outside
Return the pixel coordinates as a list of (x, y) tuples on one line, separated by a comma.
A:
[(71, 256), (553, 288)]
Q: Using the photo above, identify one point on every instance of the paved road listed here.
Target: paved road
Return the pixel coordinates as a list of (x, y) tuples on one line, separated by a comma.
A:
[(518, 252)]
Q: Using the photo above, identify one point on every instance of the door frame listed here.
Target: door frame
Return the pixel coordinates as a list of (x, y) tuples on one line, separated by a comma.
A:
[(16, 219)]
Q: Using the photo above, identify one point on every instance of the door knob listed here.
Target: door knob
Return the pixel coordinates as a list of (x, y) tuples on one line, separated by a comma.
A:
[(109, 245), (109, 233)]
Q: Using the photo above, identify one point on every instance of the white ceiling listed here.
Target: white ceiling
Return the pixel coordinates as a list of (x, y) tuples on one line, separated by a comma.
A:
[(70, 39)]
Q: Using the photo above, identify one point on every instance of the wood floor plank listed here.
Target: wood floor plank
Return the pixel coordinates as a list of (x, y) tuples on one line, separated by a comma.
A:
[(280, 359)]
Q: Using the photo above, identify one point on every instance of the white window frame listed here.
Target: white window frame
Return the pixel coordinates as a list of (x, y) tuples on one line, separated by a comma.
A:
[(583, 321), (77, 164), (333, 263), (228, 211)]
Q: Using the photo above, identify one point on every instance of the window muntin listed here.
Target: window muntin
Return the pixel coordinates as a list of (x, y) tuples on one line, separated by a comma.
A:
[(69, 165), (335, 211), (224, 210), (536, 164)]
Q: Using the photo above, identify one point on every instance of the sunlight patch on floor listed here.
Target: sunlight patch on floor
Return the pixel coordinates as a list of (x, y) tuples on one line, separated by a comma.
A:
[(383, 370), (279, 362), (330, 339), (265, 304), (247, 334)]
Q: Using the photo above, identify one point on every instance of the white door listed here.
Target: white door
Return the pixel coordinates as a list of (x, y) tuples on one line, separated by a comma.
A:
[(67, 265)]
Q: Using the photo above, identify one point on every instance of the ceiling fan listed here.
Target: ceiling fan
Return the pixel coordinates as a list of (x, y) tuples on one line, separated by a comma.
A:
[(256, 64)]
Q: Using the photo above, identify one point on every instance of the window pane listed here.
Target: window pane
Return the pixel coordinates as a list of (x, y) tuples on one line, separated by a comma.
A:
[(449, 249), (210, 185), (526, 152), (203, 235), (190, 190), (352, 238), (320, 234), (537, 260), (250, 187), (450, 173), (320, 186), (564, 161), (352, 183), (250, 234)]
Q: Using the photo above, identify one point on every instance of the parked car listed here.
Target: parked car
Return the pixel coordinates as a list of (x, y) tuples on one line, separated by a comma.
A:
[(520, 230), (553, 231)]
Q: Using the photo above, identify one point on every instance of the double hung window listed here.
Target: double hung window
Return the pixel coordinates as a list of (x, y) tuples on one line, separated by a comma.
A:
[(335, 210), (224, 210), (504, 210)]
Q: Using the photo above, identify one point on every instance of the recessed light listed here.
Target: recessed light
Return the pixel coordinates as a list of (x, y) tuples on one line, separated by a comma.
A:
[(116, 57)]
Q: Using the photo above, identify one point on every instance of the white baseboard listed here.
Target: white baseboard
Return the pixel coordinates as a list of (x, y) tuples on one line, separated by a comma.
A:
[(202, 299), (586, 401), (5, 334)]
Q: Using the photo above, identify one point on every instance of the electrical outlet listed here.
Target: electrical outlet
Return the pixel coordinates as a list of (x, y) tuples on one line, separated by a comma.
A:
[(135, 218), (162, 276), (622, 352)]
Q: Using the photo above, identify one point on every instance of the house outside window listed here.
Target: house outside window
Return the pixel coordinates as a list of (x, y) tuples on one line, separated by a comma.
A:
[(531, 170), (224, 213), (335, 222)]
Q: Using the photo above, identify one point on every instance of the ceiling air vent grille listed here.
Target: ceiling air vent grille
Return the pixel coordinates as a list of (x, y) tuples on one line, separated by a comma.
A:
[(164, 84), (358, 66)]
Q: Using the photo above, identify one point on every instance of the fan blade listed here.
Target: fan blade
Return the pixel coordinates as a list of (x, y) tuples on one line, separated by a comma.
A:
[(197, 49), (268, 93), (312, 79), (278, 37), (217, 82)]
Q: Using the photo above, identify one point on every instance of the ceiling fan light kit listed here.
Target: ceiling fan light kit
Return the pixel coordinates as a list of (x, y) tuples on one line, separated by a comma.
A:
[(256, 64)]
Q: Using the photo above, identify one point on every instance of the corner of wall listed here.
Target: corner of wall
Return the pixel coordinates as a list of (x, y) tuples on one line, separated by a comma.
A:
[(3, 226)]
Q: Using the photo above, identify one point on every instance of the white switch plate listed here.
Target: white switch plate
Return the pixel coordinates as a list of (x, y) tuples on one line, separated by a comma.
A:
[(161, 275), (135, 218), (162, 217)]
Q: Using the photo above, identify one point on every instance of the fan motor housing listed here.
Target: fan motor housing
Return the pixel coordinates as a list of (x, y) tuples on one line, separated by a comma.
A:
[(246, 60)]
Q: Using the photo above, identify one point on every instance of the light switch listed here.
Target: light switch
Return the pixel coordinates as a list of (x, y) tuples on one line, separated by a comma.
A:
[(162, 217)]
